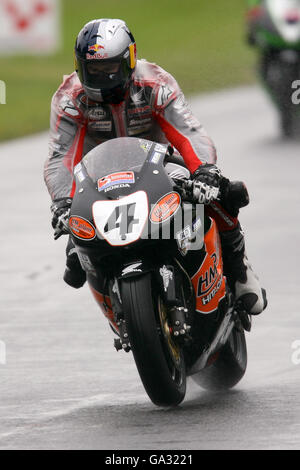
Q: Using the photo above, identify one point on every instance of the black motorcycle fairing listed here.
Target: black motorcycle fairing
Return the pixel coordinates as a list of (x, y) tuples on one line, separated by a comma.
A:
[(98, 164)]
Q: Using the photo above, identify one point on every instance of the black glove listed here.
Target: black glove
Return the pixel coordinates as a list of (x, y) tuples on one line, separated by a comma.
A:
[(233, 196), (206, 181), (209, 174), (60, 209)]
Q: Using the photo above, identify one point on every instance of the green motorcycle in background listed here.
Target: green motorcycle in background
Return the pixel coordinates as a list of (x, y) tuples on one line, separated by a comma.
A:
[(274, 28)]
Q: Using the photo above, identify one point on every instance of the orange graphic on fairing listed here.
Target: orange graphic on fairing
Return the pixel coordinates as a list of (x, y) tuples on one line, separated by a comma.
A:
[(106, 307), (82, 228), (209, 282), (165, 207)]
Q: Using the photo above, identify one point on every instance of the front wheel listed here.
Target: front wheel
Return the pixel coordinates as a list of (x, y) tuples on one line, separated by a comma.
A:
[(229, 367), (158, 358)]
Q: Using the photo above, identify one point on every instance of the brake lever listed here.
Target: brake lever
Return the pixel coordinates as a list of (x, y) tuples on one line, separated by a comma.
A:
[(182, 186), (58, 233), (64, 230)]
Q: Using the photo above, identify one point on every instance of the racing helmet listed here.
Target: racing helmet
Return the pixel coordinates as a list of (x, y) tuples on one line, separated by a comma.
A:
[(105, 58)]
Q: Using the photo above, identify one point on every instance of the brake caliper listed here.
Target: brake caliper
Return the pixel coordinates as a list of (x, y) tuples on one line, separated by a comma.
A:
[(178, 319)]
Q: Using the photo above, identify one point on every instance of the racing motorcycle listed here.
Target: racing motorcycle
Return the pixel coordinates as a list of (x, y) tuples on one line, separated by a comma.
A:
[(154, 266), (274, 27)]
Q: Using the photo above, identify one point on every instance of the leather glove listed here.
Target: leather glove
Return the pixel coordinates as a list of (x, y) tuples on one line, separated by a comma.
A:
[(60, 209), (209, 174), (207, 180)]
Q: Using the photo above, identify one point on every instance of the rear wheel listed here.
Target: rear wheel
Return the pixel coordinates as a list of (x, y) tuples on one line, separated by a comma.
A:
[(158, 358), (229, 366)]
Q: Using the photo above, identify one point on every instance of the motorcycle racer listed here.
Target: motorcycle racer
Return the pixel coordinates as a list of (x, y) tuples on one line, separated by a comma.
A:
[(273, 28), (112, 94)]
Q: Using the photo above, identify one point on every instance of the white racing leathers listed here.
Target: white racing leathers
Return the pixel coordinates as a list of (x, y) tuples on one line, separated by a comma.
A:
[(154, 108)]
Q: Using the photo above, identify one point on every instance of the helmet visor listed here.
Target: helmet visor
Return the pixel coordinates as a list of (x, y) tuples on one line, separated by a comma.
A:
[(104, 74)]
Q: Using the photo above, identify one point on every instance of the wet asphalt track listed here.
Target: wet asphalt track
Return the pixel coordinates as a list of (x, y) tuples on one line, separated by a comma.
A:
[(65, 387)]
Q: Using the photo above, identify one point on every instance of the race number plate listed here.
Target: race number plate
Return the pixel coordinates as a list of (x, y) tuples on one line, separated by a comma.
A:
[(122, 221)]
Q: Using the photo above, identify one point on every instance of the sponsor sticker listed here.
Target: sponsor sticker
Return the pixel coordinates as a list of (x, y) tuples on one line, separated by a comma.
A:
[(138, 97), (104, 126), (155, 157), (122, 177), (139, 122), (140, 110), (145, 145), (117, 186), (197, 224), (95, 47), (77, 168), (96, 56), (160, 148), (80, 176), (138, 130), (165, 207), (82, 228), (133, 268), (96, 113)]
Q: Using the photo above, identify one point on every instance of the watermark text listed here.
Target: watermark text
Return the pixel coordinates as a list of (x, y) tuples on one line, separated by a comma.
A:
[(296, 94), (2, 353), (296, 354)]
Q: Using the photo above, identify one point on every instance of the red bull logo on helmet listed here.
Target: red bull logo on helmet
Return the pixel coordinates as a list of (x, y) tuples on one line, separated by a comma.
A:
[(95, 47)]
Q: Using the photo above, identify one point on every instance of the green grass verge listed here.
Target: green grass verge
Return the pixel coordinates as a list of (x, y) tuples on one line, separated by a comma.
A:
[(201, 42)]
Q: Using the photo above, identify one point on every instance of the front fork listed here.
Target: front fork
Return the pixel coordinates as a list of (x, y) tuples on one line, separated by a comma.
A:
[(123, 341), (177, 312)]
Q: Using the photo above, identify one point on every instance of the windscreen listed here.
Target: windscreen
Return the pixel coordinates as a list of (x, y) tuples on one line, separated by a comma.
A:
[(121, 154)]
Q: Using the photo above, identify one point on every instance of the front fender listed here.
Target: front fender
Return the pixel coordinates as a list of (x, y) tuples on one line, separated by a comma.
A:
[(134, 269)]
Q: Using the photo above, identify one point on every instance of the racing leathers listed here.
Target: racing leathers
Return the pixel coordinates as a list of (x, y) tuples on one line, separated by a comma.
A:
[(154, 108)]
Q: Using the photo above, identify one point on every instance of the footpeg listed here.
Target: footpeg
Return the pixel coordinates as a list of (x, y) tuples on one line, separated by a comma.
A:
[(117, 344)]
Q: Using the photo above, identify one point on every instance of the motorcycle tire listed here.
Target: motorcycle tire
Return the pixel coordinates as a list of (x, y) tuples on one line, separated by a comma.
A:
[(159, 360), (228, 368)]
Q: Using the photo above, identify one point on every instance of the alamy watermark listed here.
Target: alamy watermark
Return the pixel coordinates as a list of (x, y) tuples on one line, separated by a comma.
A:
[(296, 354), (126, 223), (296, 94), (2, 353), (2, 92)]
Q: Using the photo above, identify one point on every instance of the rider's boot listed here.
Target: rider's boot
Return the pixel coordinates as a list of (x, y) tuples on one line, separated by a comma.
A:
[(74, 275), (241, 277)]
